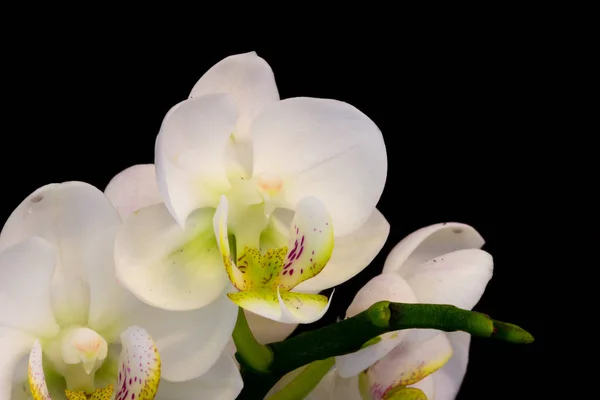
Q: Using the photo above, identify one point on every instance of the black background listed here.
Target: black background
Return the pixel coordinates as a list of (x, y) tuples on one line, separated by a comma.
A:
[(452, 102)]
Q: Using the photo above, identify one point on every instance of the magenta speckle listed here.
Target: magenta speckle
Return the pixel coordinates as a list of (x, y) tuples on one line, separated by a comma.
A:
[(311, 259), (300, 252), (291, 271), (293, 252), (285, 272), (313, 253), (286, 266), (301, 270), (302, 241)]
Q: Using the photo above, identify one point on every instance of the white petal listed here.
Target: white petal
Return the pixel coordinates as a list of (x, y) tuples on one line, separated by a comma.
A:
[(324, 148), (14, 345), (427, 386), (222, 382), (351, 254), (139, 366), (108, 299), (26, 271), (430, 242), (390, 287), (407, 364), (345, 388), (448, 379), (266, 330), (37, 379), (458, 278), (236, 277), (248, 78), (190, 151), (133, 188), (189, 342), (167, 266), (71, 216), (286, 307)]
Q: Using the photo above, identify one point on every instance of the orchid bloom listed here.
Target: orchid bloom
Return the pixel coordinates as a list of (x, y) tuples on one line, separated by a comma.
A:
[(136, 188), (282, 170), (68, 330), (440, 264)]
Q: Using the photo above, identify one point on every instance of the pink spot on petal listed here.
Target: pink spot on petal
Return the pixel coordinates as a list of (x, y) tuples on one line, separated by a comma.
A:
[(292, 271)]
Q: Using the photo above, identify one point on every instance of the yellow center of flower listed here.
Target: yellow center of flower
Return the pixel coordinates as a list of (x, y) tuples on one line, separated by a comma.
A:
[(99, 394)]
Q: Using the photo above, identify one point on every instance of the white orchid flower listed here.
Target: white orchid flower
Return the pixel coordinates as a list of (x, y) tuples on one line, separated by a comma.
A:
[(438, 264), (136, 188), (270, 159), (69, 330)]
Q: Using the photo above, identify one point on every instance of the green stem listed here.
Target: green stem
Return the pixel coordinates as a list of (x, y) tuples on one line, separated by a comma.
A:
[(262, 366), (351, 334), (249, 352), (305, 382)]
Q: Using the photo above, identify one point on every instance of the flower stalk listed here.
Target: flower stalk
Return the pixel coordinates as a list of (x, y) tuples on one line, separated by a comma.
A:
[(351, 334), (249, 352)]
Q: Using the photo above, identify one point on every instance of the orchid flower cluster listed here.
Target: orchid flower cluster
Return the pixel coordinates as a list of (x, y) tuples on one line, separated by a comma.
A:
[(253, 207)]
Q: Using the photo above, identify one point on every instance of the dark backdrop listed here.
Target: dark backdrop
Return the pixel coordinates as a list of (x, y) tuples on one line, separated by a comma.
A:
[(452, 106)]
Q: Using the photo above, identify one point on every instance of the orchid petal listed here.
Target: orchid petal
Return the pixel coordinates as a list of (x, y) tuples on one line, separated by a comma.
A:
[(222, 382), (108, 299), (407, 364), (248, 78), (236, 276), (310, 244), (345, 388), (26, 271), (190, 151), (286, 307), (427, 386), (266, 330), (14, 345), (71, 216), (351, 254), (390, 287), (323, 148), (448, 379), (133, 188), (189, 342), (139, 366), (430, 242), (37, 379), (458, 278), (166, 266)]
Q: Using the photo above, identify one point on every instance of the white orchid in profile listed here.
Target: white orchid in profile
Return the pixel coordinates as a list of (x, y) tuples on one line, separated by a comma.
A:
[(438, 264), (292, 177), (69, 330)]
